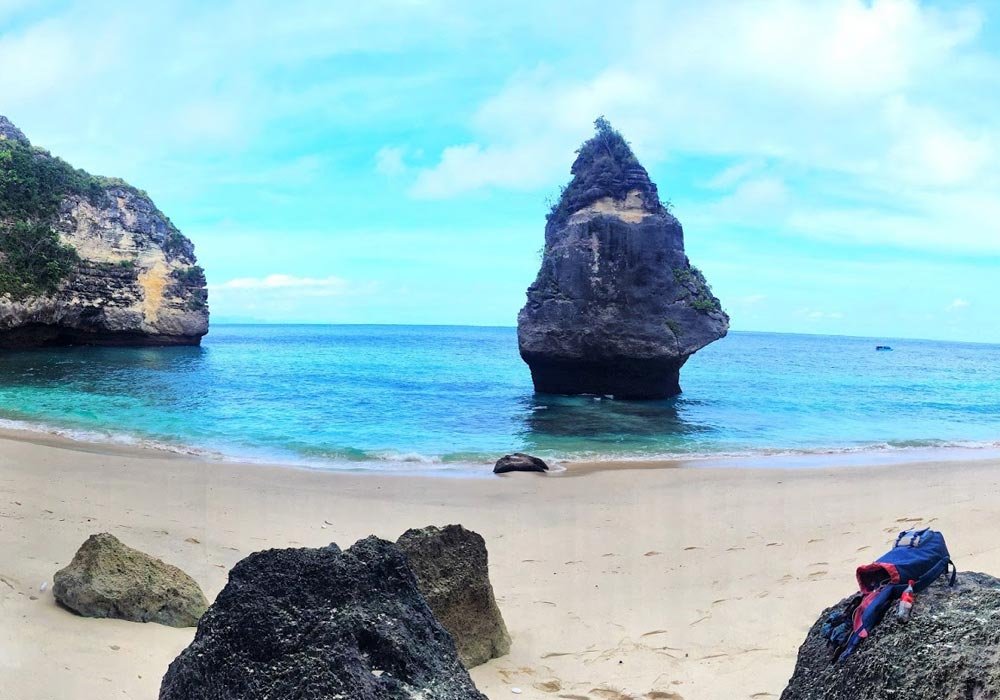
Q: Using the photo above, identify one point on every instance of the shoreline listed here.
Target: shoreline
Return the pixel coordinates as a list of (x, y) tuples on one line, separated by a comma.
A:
[(628, 583), (53, 436)]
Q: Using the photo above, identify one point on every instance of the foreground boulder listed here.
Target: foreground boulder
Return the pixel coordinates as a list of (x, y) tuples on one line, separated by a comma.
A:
[(108, 579), (452, 569), (320, 623), (617, 307), (88, 260), (947, 651), (519, 462)]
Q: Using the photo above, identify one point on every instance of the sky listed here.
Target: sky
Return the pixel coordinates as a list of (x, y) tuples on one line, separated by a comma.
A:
[(834, 162)]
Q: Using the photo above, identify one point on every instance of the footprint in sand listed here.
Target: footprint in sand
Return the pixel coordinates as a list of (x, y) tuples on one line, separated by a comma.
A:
[(662, 695), (650, 634), (818, 574), (820, 563), (609, 694), (654, 553), (775, 544), (814, 541), (861, 549), (549, 686)]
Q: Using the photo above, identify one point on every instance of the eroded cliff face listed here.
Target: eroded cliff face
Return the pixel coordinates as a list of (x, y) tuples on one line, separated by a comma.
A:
[(616, 308), (86, 260)]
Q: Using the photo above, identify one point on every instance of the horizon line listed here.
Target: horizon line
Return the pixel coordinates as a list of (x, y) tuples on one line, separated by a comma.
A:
[(473, 325)]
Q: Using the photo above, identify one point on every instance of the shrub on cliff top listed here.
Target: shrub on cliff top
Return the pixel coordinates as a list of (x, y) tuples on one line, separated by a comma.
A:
[(32, 182), (604, 167)]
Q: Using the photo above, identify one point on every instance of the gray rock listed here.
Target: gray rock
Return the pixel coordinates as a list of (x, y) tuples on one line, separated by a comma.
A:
[(616, 308), (9, 131), (519, 462), (317, 624), (135, 279), (108, 579), (452, 569), (946, 651)]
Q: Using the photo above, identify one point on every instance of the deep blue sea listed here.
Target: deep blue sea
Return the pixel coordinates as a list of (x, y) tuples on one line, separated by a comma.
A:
[(420, 397)]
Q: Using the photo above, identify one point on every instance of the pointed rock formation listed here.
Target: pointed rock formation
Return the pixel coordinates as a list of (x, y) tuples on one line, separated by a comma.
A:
[(616, 308), (89, 260)]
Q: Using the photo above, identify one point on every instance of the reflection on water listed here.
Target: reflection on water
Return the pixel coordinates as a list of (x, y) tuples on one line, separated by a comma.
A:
[(553, 423)]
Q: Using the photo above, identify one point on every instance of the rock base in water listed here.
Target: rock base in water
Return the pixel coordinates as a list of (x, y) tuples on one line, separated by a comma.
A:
[(947, 651), (452, 569), (108, 579), (623, 379), (317, 624)]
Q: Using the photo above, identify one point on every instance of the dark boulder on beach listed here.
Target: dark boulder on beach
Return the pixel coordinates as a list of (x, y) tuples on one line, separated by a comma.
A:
[(946, 651), (452, 569), (519, 462), (617, 308), (320, 623), (108, 579)]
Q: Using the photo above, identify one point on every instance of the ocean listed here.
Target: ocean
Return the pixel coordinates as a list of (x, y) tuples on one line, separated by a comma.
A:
[(453, 399)]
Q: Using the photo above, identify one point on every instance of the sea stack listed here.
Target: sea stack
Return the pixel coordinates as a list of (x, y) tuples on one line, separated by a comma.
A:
[(87, 260), (617, 308)]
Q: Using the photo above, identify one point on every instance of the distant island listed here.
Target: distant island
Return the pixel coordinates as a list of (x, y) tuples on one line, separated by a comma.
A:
[(87, 260), (616, 308)]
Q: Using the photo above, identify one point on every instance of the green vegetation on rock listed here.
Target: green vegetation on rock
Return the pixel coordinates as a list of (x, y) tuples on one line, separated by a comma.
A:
[(33, 260), (605, 167), (32, 183)]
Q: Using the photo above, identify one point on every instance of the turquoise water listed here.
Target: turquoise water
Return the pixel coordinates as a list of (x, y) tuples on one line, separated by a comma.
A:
[(398, 397)]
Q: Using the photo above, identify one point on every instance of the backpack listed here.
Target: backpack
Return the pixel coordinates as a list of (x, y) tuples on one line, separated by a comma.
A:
[(920, 556)]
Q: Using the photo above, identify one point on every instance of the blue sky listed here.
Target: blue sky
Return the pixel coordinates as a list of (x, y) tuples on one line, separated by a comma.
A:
[(834, 163)]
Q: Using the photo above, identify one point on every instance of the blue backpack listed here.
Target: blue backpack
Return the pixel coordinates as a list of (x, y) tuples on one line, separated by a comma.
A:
[(920, 556)]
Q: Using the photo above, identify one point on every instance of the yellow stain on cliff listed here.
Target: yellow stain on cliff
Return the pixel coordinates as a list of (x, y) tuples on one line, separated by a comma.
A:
[(153, 282)]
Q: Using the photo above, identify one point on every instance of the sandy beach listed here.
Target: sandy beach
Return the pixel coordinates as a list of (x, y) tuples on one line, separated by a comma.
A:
[(615, 582)]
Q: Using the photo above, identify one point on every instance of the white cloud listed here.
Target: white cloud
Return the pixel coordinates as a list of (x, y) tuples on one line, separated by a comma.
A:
[(884, 113), (957, 304), (390, 161), (817, 315), (335, 285)]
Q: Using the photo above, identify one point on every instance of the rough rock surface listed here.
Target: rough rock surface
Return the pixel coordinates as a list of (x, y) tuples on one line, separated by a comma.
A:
[(947, 651), (616, 308), (519, 462), (108, 579), (452, 569), (9, 131), (131, 278), (317, 624)]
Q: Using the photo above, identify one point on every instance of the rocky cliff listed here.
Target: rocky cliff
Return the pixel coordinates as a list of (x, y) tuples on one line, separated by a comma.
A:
[(89, 260), (617, 307)]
